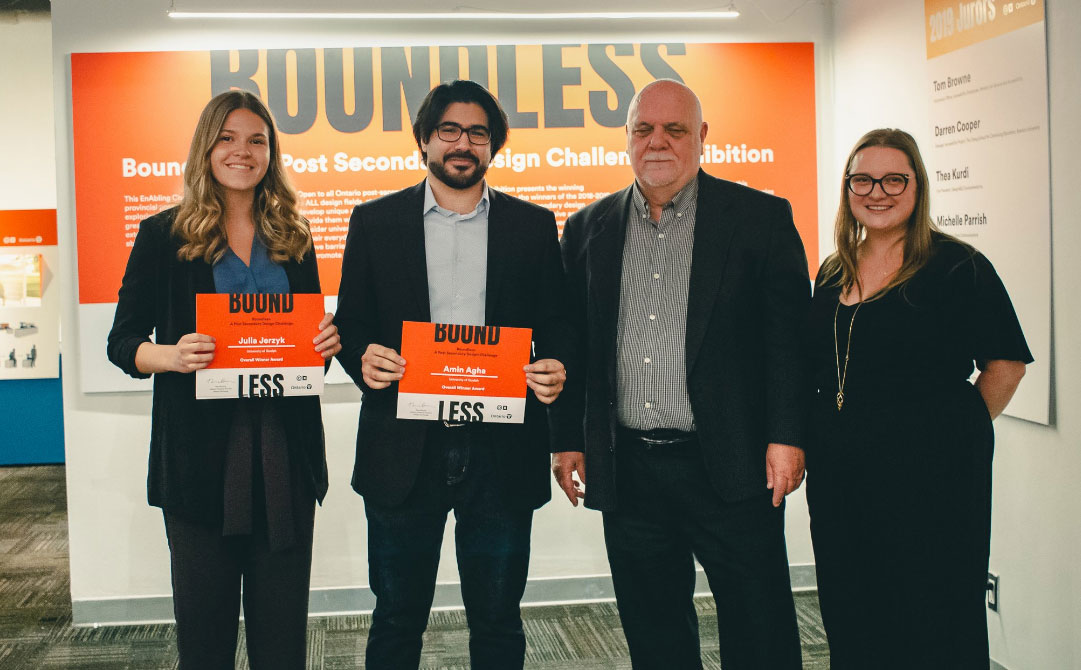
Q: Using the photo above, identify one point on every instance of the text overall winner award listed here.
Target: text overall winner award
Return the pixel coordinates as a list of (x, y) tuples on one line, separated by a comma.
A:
[(463, 373), (263, 345)]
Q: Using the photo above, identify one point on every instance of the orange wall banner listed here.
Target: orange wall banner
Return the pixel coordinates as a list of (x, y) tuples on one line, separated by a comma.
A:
[(345, 116), (27, 227)]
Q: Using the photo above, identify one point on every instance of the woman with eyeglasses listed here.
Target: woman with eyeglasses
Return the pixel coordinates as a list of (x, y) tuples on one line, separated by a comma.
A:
[(237, 479), (899, 472)]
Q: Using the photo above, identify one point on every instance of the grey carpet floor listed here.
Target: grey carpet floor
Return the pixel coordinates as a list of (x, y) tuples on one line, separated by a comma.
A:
[(36, 631)]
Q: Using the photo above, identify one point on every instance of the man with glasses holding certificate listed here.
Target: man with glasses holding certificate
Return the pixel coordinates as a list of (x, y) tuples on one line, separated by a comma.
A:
[(450, 251)]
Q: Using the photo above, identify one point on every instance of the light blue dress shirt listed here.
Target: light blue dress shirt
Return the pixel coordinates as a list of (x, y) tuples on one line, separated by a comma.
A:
[(456, 250)]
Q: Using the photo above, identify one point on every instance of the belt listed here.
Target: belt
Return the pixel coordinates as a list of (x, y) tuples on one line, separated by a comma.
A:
[(657, 437), (475, 425)]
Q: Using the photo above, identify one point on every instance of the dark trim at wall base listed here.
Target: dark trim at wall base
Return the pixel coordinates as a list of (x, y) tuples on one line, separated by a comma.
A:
[(352, 600)]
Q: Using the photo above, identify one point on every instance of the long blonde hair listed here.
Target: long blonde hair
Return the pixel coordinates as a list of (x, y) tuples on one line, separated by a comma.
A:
[(841, 268), (200, 219)]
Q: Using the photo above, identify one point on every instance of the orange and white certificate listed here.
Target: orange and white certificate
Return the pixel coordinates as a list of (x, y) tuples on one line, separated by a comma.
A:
[(463, 373), (263, 344)]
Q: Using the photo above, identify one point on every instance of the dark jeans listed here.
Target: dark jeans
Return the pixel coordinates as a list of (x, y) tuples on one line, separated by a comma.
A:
[(208, 570), (492, 548), (669, 514)]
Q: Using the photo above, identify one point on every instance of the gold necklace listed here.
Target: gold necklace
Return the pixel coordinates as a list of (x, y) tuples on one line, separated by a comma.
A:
[(842, 373)]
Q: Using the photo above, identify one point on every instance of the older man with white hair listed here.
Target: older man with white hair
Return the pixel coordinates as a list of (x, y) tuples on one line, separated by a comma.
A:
[(687, 411)]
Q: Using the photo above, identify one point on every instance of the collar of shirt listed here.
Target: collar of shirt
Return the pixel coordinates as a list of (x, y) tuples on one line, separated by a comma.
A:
[(686, 197), (430, 204)]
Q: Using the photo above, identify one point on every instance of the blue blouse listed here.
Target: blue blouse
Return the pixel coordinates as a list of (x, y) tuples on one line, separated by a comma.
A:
[(231, 275)]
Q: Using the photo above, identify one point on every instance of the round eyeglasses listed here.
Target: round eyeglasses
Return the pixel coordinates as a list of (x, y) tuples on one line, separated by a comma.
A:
[(450, 132), (863, 184)]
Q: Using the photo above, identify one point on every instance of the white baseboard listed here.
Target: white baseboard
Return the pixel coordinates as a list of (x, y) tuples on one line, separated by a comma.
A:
[(359, 599)]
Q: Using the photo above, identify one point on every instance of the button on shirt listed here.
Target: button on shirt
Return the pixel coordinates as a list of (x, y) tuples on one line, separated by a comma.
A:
[(652, 335), (456, 251)]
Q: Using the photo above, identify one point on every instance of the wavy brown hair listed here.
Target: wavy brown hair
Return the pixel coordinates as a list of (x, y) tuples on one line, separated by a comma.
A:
[(841, 267), (200, 219)]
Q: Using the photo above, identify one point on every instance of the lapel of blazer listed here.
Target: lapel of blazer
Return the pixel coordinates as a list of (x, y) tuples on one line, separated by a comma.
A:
[(713, 229), (500, 238), (201, 279), (413, 261), (296, 280), (604, 271)]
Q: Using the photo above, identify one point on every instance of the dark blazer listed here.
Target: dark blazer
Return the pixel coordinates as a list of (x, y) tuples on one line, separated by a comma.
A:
[(385, 282), (188, 436), (749, 291)]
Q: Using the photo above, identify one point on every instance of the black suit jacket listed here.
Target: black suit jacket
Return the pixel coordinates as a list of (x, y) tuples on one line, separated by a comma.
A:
[(385, 282), (188, 436), (749, 291)]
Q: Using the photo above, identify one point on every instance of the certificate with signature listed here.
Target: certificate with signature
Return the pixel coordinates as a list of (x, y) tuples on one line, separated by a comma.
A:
[(463, 373), (263, 344)]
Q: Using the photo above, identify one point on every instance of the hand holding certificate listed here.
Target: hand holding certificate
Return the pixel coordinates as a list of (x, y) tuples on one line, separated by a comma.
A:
[(463, 373), (264, 345)]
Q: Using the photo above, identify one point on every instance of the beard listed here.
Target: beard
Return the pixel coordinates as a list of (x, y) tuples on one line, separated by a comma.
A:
[(455, 178)]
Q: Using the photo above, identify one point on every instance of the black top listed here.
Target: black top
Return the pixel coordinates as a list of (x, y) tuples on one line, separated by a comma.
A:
[(925, 334), (899, 480), (188, 437)]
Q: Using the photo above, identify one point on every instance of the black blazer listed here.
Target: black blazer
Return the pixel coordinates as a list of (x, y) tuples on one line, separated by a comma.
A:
[(385, 282), (188, 436), (749, 291)]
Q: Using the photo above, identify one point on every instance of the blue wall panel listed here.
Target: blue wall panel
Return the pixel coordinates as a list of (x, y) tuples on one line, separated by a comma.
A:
[(31, 421)]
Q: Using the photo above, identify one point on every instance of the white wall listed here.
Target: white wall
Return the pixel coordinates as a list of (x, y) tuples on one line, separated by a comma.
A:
[(1036, 536), (118, 548), (868, 37), (27, 151), (1036, 532)]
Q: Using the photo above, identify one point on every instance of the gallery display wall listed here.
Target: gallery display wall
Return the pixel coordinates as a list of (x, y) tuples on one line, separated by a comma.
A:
[(119, 559), (118, 554), (31, 418)]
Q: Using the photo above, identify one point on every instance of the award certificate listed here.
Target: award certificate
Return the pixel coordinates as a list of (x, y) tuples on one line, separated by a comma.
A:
[(263, 344), (463, 373)]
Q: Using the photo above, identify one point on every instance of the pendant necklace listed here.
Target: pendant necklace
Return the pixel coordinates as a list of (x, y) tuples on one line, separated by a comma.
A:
[(842, 372)]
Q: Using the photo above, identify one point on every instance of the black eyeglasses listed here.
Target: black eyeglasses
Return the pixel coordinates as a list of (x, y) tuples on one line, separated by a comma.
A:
[(863, 184), (450, 132)]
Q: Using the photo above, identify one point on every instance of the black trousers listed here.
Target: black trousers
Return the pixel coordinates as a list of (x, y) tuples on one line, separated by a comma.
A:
[(668, 515), (458, 473), (212, 573)]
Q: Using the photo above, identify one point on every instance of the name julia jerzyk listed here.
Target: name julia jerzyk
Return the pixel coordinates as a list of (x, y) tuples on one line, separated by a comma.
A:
[(261, 340)]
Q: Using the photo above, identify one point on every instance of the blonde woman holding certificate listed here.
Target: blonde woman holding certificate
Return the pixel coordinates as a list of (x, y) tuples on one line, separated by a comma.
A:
[(237, 479)]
